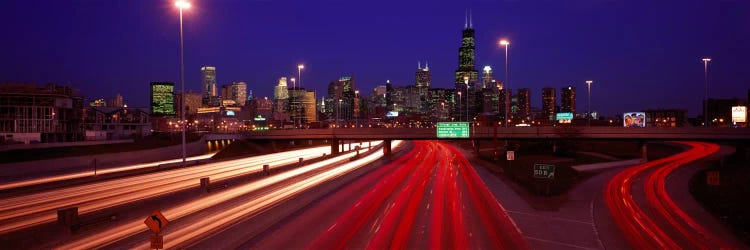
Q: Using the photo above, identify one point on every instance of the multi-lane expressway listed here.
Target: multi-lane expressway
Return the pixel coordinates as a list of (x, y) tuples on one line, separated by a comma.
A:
[(426, 196)]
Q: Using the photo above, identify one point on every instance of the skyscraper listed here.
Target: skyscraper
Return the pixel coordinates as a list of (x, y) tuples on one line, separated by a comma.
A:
[(208, 81), (487, 77), (524, 104), (239, 93), (466, 68), (422, 76), (281, 91), (568, 97), (162, 99), (548, 103), (502, 96)]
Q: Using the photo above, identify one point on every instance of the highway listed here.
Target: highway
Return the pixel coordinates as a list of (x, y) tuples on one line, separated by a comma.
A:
[(202, 217), (88, 173), (658, 222), (34, 209), (429, 198)]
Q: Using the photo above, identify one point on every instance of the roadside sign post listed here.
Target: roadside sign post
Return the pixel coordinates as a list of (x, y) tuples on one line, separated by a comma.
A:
[(156, 222), (713, 178), (545, 171), (510, 155), (157, 241)]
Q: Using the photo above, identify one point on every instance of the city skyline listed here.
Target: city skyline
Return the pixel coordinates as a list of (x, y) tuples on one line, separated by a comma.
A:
[(625, 54)]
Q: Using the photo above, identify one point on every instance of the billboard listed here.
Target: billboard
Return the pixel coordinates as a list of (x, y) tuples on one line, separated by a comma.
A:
[(634, 119), (392, 114), (739, 114)]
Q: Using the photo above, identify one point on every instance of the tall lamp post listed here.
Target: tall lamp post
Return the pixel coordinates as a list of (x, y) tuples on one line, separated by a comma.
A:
[(588, 121), (705, 101), (181, 4), (292, 100), (459, 106), (506, 43), (356, 113), (466, 81), (299, 77)]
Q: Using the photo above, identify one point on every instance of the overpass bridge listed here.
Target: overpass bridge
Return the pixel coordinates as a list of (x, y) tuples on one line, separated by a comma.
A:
[(336, 135)]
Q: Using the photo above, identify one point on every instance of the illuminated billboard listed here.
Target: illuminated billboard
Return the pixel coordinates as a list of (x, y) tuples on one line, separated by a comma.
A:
[(634, 119), (162, 99), (739, 114), (391, 114)]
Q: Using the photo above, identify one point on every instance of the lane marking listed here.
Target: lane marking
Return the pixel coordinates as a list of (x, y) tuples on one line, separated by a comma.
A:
[(549, 217), (559, 243)]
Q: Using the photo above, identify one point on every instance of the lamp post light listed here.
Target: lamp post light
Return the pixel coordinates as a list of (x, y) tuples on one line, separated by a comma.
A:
[(705, 100), (459, 106), (442, 110), (466, 81), (506, 43), (292, 100), (338, 115), (356, 114), (182, 4), (588, 121), (299, 76)]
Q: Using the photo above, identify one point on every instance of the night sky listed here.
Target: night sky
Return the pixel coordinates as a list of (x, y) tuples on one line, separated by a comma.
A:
[(640, 54)]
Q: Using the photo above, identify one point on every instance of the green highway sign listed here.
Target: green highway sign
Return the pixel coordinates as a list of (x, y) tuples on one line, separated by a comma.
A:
[(544, 171), (452, 130)]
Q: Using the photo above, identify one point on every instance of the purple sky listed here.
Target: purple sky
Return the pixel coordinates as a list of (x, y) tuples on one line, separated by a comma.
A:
[(640, 53)]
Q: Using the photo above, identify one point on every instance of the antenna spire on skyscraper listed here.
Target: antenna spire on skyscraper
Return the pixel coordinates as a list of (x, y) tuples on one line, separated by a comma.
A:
[(419, 65), (470, 21), (466, 19)]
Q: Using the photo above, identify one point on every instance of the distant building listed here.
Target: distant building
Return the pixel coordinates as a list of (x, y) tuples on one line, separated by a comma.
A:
[(441, 102), (504, 103), (281, 91), (113, 123), (162, 99), (487, 79), (208, 82), (568, 99), (666, 118), (192, 103), (423, 77), (466, 69), (524, 104), (238, 93), (29, 113), (341, 99), (720, 111), (116, 101), (549, 101), (98, 103)]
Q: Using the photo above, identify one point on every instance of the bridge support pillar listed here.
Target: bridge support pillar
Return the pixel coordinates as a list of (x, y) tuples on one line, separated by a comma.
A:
[(387, 147), (644, 150), (476, 147), (334, 146)]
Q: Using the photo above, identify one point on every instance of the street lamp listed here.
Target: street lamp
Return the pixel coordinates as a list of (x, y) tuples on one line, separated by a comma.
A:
[(356, 114), (338, 115), (705, 101), (466, 81), (292, 100), (299, 76), (506, 43), (182, 4), (588, 121), (459, 106)]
